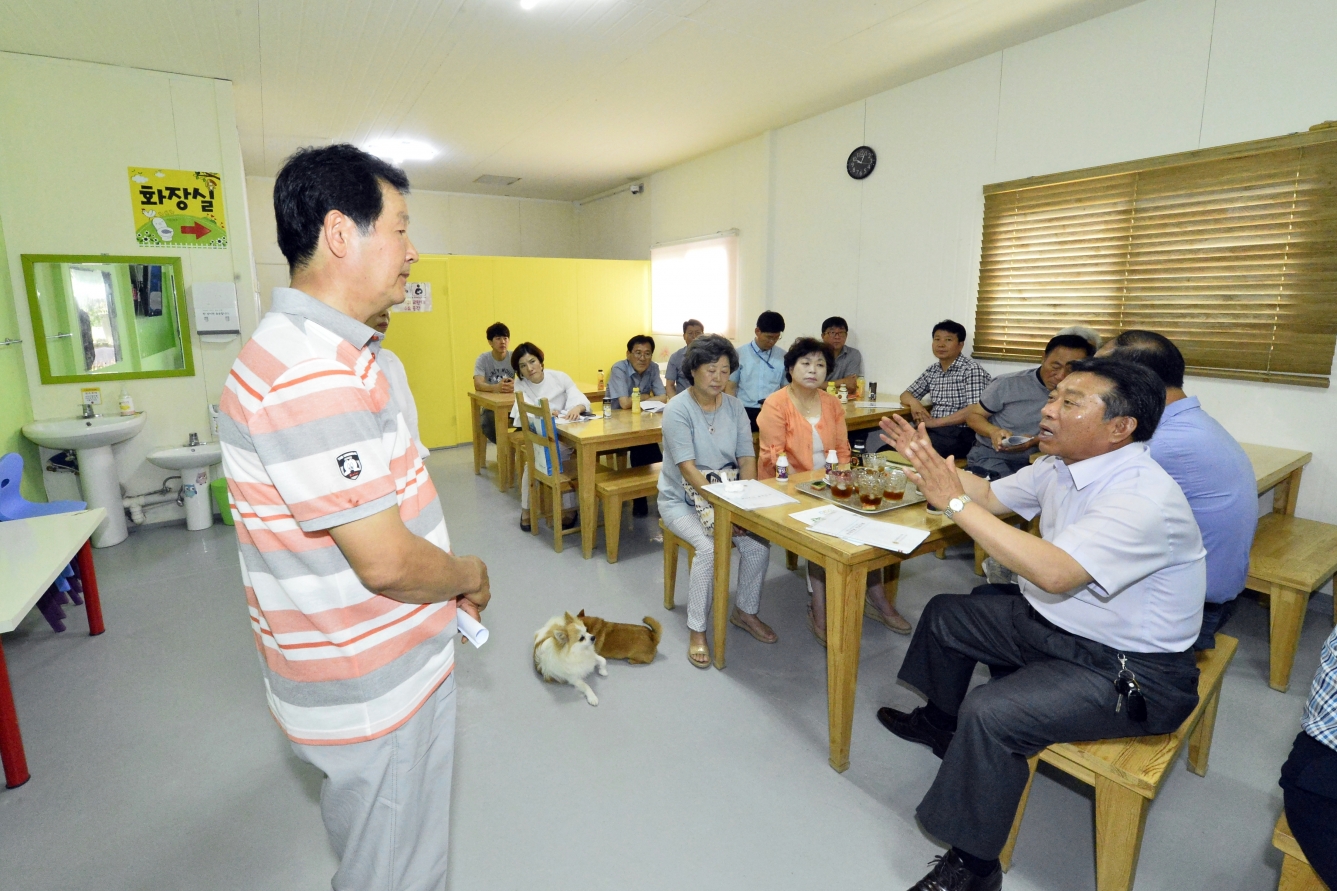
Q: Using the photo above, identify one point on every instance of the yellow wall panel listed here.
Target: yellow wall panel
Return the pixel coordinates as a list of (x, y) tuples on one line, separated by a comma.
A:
[(579, 312), (422, 341)]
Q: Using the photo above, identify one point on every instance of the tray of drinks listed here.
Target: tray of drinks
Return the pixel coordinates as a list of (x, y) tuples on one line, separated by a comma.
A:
[(864, 503)]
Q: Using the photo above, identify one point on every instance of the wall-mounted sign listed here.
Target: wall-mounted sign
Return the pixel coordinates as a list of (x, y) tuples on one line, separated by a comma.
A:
[(177, 208), (417, 298)]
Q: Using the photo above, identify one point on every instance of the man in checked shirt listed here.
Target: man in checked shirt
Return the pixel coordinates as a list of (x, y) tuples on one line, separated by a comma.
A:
[(955, 382)]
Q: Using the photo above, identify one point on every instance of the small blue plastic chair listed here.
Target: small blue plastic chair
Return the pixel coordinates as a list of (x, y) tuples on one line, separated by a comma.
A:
[(13, 506)]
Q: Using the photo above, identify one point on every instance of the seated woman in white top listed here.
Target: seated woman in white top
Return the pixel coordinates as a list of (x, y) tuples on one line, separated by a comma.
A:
[(534, 384), (393, 369)]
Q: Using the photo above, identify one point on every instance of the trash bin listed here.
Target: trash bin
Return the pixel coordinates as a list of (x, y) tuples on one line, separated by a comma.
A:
[(219, 488)]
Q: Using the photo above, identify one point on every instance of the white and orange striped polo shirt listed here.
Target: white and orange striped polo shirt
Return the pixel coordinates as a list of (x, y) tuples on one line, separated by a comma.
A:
[(311, 440)]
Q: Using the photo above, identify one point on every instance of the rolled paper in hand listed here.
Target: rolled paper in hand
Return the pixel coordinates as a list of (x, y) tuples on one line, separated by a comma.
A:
[(471, 629)]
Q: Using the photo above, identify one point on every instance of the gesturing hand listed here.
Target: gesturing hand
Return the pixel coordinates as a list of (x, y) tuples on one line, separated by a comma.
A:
[(935, 475)]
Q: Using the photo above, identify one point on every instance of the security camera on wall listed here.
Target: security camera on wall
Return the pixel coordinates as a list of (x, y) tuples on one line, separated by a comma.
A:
[(637, 188)]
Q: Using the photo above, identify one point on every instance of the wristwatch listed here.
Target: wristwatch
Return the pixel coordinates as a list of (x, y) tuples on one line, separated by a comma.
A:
[(956, 505)]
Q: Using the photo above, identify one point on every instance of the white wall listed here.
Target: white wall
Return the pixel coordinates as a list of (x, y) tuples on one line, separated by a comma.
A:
[(68, 131), (900, 250), (615, 227), (440, 223)]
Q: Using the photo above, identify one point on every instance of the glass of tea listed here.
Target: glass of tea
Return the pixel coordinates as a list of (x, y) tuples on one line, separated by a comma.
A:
[(871, 484), (896, 485), (842, 481)]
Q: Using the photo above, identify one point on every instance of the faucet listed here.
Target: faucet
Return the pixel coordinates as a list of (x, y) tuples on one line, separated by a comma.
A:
[(88, 410), (194, 439)]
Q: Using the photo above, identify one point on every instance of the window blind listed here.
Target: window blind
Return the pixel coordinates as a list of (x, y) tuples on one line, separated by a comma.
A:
[(1230, 252), (696, 279)]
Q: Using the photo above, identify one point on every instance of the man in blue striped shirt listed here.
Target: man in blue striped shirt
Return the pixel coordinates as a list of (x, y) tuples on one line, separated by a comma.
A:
[(761, 366)]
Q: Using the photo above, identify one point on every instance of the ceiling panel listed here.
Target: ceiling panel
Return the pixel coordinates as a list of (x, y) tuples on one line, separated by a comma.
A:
[(574, 96)]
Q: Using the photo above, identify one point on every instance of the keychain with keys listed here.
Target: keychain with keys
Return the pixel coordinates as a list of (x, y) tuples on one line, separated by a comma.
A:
[(1125, 686)]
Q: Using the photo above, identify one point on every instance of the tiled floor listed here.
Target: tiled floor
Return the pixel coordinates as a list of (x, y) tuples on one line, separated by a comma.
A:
[(156, 765)]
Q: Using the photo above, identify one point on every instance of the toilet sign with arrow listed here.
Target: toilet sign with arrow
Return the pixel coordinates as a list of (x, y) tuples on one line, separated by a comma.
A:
[(177, 208)]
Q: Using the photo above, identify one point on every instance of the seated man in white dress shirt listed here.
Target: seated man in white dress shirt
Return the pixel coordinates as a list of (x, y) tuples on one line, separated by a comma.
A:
[(1112, 592)]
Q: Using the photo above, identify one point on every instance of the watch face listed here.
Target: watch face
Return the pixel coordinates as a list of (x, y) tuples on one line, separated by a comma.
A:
[(861, 162)]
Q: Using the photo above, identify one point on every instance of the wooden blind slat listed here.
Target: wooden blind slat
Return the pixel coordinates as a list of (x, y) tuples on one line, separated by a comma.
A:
[(1230, 252)]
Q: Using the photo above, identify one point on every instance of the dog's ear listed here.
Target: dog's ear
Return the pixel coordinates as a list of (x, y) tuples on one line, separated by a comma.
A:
[(580, 615), (567, 618), (559, 635)]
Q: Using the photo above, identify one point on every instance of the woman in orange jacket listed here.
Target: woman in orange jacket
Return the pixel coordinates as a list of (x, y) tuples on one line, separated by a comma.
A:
[(804, 422)]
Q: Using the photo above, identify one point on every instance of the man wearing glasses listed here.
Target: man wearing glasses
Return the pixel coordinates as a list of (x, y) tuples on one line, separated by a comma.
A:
[(638, 370)]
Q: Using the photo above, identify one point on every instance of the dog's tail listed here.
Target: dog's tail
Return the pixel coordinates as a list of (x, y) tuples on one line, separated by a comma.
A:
[(656, 630)]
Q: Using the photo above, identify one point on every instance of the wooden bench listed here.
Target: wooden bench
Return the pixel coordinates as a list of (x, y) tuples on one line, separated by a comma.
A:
[(1290, 558), (1127, 773), (1296, 873), (671, 545), (617, 487)]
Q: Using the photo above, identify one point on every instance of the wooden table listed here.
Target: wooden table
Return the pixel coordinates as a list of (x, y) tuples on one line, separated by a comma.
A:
[(591, 438), (847, 567), (500, 405), (32, 554), (864, 417), (1278, 470)]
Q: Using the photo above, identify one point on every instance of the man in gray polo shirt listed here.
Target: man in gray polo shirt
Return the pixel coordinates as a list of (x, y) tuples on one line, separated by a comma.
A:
[(493, 373), (638, 370), (849, 361), (1011, 404)]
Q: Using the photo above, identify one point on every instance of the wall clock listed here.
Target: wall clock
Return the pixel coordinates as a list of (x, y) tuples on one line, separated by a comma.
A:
[(861, 162)]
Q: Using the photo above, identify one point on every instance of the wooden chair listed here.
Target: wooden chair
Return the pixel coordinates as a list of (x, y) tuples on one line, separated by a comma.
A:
[(515, 441), (614, 489), (671, 545), (544, 444), (1127, 773), (1296, 873), (1290, 559)]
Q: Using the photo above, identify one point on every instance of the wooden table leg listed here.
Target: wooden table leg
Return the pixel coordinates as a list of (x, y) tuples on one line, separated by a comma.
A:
[(1286, 616), (88, 577), (844, 626), (1121, 816), (499, 423), (586, 459), (723, 557), (480, 441), (11, 743)]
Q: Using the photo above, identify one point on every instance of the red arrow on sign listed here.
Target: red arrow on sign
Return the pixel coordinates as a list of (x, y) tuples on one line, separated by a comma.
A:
[(199, 230)]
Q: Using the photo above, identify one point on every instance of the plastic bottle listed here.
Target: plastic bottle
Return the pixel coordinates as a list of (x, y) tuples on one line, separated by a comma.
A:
[(127, 404), (830, 464), (831, 387), (635, 400), (601, 380), (608, 406), (844, 394), (861, 388), (782, 467)]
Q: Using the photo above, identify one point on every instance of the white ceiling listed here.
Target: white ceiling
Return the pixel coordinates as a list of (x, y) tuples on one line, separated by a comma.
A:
[(574, 96)]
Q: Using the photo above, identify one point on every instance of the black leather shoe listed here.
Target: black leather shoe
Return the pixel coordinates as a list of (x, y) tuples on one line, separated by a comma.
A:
[(916, 728), (640, 507), (950, 874), (571, 523)]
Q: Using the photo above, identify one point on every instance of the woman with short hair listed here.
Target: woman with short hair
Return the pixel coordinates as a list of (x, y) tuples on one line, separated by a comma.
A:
[(707, 438), (804, 422), (534, 383)]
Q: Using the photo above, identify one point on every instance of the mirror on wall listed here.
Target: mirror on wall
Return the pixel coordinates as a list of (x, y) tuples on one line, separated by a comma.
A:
[(100, 317)]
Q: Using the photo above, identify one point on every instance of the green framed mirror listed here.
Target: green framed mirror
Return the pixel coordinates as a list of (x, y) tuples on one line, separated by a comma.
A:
[(99, 317)]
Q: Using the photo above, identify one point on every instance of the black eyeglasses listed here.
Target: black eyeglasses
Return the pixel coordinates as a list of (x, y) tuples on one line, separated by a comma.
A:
[(1126, 688)]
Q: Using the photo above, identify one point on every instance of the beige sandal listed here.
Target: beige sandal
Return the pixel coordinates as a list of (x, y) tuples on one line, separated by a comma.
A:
[(818, 633), (694, 650), (899, 624), (759, 635)]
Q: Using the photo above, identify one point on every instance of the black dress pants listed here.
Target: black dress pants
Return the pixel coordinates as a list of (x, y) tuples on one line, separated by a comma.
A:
[(952, 442), (1309, 778), (1061, 689)]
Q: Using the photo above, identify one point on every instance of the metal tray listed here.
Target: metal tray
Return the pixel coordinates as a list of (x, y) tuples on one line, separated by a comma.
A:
[(912, 496)]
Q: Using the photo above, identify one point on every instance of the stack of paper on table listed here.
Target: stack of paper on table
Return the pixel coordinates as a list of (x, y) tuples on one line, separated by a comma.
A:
[(650, 406), (750, 494), (842, 524)]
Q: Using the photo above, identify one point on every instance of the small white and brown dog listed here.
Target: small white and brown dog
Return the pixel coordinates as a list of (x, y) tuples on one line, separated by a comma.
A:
[(564, 652)]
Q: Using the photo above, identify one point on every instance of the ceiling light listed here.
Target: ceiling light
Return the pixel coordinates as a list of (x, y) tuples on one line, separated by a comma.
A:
[(397, 151), (491, 179)]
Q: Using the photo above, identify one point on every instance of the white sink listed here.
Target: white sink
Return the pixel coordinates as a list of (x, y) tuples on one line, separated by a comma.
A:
[(84, 433), (92, 439), (193, 463), (186, 457)]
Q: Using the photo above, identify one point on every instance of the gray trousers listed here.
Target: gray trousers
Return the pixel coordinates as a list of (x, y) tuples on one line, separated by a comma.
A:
[(386, 801), (1061, 689)]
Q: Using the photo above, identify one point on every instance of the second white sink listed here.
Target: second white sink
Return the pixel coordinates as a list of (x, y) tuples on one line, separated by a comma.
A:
[(193, 462), (187, 457)]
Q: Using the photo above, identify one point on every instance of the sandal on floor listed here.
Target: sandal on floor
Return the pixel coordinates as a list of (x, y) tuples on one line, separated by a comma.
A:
[(818, 633), (734, 620), (694, 650), (899, 624), (525, 527)]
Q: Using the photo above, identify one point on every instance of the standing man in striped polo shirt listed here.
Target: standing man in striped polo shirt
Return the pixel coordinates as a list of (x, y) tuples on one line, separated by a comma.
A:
[(345, 558)]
